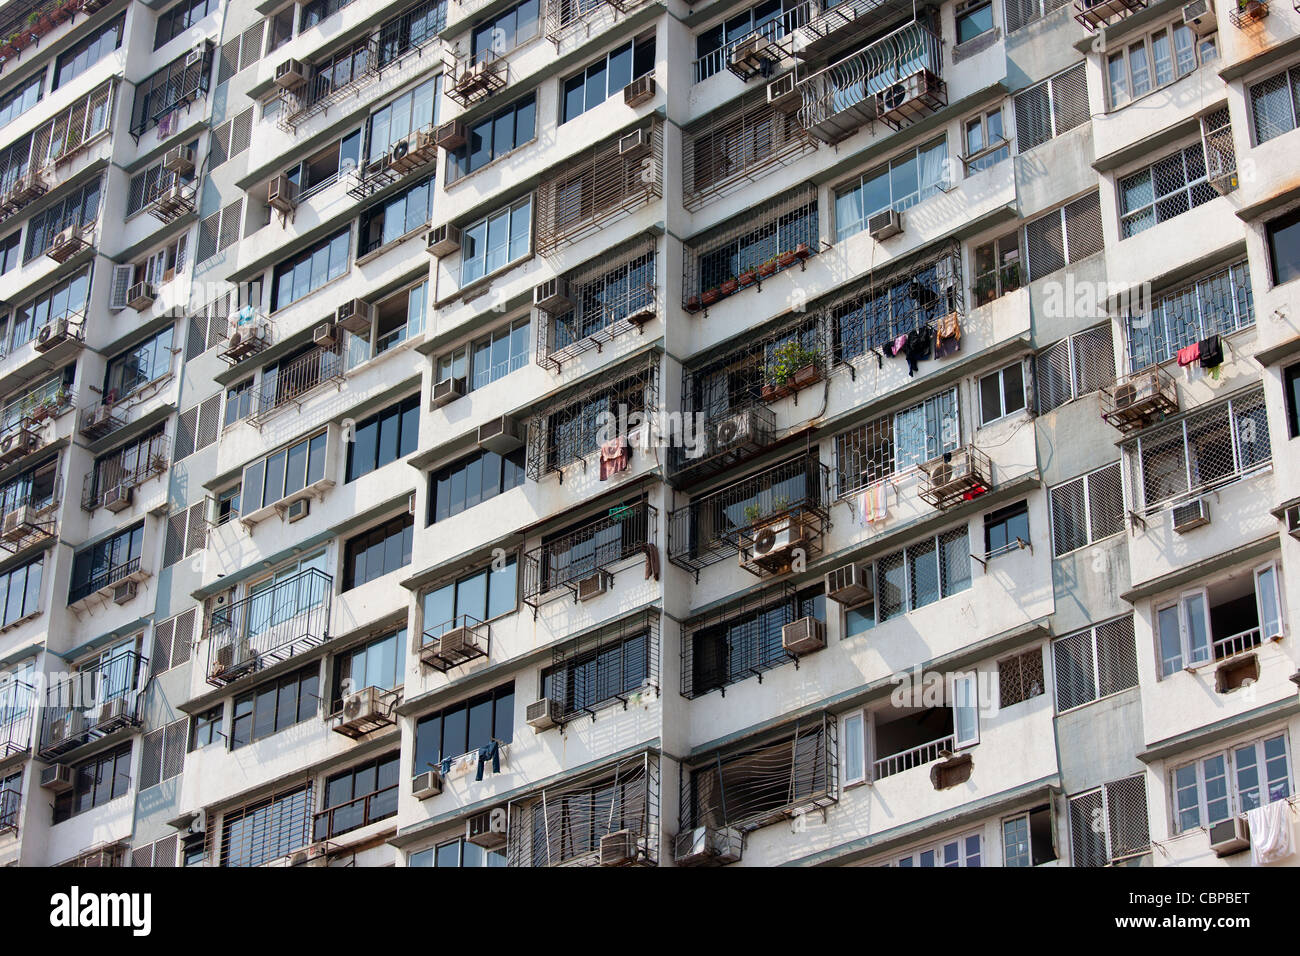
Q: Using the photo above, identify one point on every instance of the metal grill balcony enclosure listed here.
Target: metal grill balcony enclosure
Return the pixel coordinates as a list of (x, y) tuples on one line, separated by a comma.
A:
[(788, 498), (295, 380), (561, 17), (30, 521), (103, 582), (602, 669), (171, 89), (248, 333), (455, 642), (17, 716), (752, 784), (366, 711), (79, 236), (124, 471), (956, 476), (10, 804), (274, 623), (410, 155), (320, 91), (1137, 400), (172, 200), (895, 79), (92, 704), (608, 816), (101, 419), (1093, 15), (565, 564), (600, 186), (470, 78)]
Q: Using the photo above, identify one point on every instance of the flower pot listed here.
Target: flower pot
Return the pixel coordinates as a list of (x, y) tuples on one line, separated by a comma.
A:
[(730, 286), (802, 251), (44, 24), (20, 41), (771, 392), (39, 413), (693, 304), (767, 269), (787, 259), (805, 376), (746, 278), (710, 297)]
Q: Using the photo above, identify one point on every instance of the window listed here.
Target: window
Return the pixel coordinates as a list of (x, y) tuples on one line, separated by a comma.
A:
[(1063, 236), (763, 236), (384, 437), (599, 676), (395, 217), (986, 141), (1094, 663), (104, 777), (377, 552), (483, 595), (1109, 824), (227, 504), (266, 830), (1228, 783), (1087, 509), (457, 853), (67, 300), (588, 88), (922, 574), (1218, 304), (275, 706), (604, 297), (1291, 389), (411, 29), (20, 592), (376, 663), (1006, 529), (77, 60), (146, 362), (747, 644), (205, 728), (239, 402), (320, 169), (965, 709), (854, 727), (973, 20), (310, 14), (1168, 188), (501, 33), (1074, 367), (492, 357), (473, 480), (21, 98), (162, 754), (464, 727), (9, 251), (1283, 238), (106, 562), (174, 86), (1274, 105), (915, 176), (1052, 107), (965, 850), (1027, 838), (414, 110), (1020, 13), (494, 136), (1020, 678), (896, 442), (1154, 61), (1226, 618), (308, 271), (358, 797), (397, 318), (131, 463), (1002, 393), (284, 472), (496, 241), (176, 20), (773, 19)]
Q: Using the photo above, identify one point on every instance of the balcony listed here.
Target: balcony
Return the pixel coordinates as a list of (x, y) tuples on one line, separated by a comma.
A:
[(70, 241), (468, 79), (175, 87), (963, 474), (562, 17), (55, 344), (106, 854), (318, 91), (296, 380), (171, 200), (19, 709), (75, 129), (408, 156), (895, 79), (111, 483), (1245, 13), (100, 419), (1094, 15), (617, 664), (755, 783), (577, 562), (93, 704), (248, 333), (1140, 399), (105, 583), (18, 190), (10, 805), (31, 22), (273, 624), (455, 642), (31, 521)]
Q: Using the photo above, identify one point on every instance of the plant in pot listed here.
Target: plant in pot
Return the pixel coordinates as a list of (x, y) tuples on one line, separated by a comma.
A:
[(1252, 9), (802, 251), (787, 258), (794, 366), (711, 296), (730, 285), (693, 302), (752, 513), (746, 278), (767, 268)]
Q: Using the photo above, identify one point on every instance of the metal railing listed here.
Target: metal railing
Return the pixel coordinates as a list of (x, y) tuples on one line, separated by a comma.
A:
[(357, 813), (915, 757), (1238, 643), (959, 475), (272, 624), (587, 550), (469, 77), (782, 26), (19, 701), (29, 519), (1094, 15), (293, 381), (124, 472), (462, 639), (10, 803), (93, 703), (105, 579), (1134, 401)]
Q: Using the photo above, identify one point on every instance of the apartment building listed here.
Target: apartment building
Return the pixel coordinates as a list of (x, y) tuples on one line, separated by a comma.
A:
[(603, 432)]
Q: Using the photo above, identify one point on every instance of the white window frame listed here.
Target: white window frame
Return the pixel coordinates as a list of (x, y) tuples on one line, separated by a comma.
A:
[(1000, 375), (510, 210), (965, 697), (990, 146), (1143, 46), (859, 718), (939, 846), (1186, 659), (1229, 756), (1274, 571)]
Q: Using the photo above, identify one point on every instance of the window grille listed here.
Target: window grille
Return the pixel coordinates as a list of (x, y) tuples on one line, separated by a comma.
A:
[(1064, 235), (187, 532), (897, 442), (163, 753), (1074, 367), (557, 567), (604, 668), (1052, 107), (159, 854), (173, 641), (197, 427), (1109, 825), (1275, 105), (1020, 678), (1087, 509), (266, 830), (1217, 304), (1020, 13), (1094, 663)]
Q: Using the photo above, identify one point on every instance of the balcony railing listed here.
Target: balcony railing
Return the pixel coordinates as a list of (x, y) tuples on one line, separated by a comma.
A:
[(10, 803), (560, 17), (92, 704), (30, 520), (1135, 401), (764, 42), (103, 581), (272, 624), (915, 757), (161, 96), (355, 814), (172, 200), (455, 642), (963, 474), (119, 476), (1094, 15), (19, 703), (469, 78), (567, 564), (248, 333), (294, 381), (320, 91), (416, 151), (1238, 643), (894, 79)]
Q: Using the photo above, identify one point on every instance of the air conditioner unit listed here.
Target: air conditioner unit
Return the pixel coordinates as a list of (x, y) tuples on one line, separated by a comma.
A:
[(738, 429), (297, 510), (447, 391), (457, 640), (775, 543), (618, 848), (325, 335), (195, 57), (140, 296), (1293, 521), (804, 636), (1190, 515), (706, 846), (443, 240), (65, 727), (895, 97), (57, 778), (398, 152), (553, 296), (593, 586), (542, 714), (124, 592), (1198, 16), (179, 160), (113, 710), (885, 224), (487, 829), (118, 498), (641, 90), (450, 136), (850, 584), (500, 435), (363, 707), (754, 51), (15, 526), (51, 334), (782, 93), (355, 315), (1229, 836), (290, 74), (629, 144), (426, 785), (281, 194)]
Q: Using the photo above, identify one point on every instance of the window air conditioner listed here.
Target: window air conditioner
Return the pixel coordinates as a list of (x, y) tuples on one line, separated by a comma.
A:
[(1190, 515), (641, 90), (500, 435), (325, 335), (443, 240), (140, 296), (118, 498), (1229, 836), (281, 194), (124, 592), (447, 391), (57, 778), (849, 585), (290, 74), (543, 714), (705, 846), (1198, 16), (487, 829), (618, 848), (355, 315), (179, 160), (803, 636), (629, 144), (426, 785), (885, 224), (782, 93), (450, 136), (553, 296), (593, 586), (297, 510)]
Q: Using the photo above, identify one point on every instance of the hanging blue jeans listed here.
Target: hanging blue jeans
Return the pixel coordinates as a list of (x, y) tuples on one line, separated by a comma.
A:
[(488, 752)]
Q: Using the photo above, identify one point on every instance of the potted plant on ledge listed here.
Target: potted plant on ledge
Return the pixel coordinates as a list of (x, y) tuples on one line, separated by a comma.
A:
[(794, 367)]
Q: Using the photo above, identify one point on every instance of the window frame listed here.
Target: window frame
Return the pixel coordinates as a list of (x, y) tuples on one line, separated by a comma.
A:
[(1003, 410), (1231, 776)]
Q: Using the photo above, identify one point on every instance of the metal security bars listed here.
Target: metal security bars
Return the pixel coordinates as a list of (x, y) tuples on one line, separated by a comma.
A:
[(118, 474), (1052, 107), (160, 96), (739, 640), (614, 665), (1275, 105), (75, 129), (568, 561), (896, 443), (1207, 449), (738, 53), (1094, 663), (599, 186), (345, 74), (1074, 367), (1094, 15), (266, 831), (738, 143), (609, 816), (473, 77), (295, 380), (27, 521), (273, 623), (1087, 509), (1020, 13), (894, 79), (1217, 304), (561, 17), (573, 427), (92, 704), (1109, 825), (719, 524), (10, 807), (17, 716), (597, 303), (1064, 235), (755, 783)]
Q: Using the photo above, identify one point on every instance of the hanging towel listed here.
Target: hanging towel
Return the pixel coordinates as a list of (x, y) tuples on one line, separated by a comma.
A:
[(898, 345), (947, 337), (1189, 354), (1210, 352), (875, 503), (1271, 837), (614, 456)]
